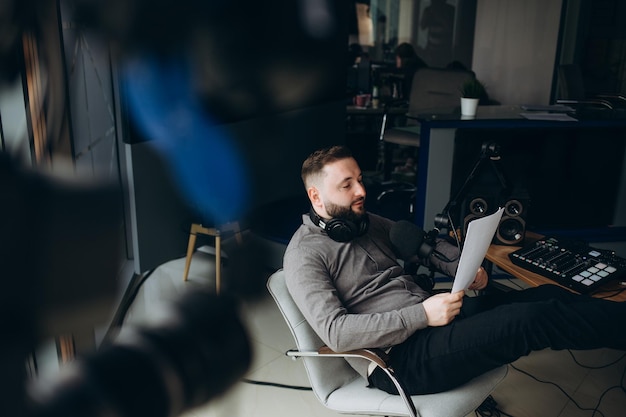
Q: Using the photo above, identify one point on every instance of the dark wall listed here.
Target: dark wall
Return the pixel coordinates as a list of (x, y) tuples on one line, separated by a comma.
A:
[(572, 176), (274, 147), (272, 77)]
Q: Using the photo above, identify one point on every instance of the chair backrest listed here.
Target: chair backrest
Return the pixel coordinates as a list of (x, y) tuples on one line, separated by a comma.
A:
[(436, 87), (327, 374)]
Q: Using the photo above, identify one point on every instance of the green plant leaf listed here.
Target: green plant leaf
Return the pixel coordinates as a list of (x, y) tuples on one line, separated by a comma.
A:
[(473, 88)]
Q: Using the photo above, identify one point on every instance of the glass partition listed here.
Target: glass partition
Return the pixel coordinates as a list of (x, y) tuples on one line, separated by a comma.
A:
[(440, 31)]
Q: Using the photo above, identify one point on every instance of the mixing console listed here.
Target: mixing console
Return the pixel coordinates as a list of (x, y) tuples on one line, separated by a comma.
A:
[(572, 264)]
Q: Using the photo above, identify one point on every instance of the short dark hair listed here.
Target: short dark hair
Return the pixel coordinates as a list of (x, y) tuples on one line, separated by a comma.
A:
[(406, 51), (315, 163), (408, 57)]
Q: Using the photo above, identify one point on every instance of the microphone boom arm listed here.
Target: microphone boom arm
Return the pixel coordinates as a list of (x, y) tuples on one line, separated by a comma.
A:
[(489, 152)]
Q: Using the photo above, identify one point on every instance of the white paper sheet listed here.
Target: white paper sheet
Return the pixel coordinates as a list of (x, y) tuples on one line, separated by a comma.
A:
[(480, 233)]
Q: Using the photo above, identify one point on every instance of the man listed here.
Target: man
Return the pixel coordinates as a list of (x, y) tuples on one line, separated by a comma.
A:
[(342, 272)]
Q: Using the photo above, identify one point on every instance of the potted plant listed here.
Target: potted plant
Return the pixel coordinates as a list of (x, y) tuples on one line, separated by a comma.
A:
[(472, 91)]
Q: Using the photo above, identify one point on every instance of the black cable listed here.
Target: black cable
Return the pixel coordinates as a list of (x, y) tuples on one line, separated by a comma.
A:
[(621, 386), (595, 409), (276, 385), (602, 397), (558, 387), (457, 238), (596, 367)]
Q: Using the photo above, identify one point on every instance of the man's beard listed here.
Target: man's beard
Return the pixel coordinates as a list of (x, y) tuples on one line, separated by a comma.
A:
[(336, 211)]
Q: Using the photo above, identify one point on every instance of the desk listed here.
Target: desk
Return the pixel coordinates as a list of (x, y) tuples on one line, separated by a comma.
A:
[(499, 255)]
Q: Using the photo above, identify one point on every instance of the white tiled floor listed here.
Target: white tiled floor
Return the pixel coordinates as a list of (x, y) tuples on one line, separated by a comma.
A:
[(518, 395)]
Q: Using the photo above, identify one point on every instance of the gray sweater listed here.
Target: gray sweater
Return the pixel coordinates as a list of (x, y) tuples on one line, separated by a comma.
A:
[(355, 294)]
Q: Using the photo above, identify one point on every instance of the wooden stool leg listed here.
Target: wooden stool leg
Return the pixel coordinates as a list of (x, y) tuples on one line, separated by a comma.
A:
[(198, 228), (190, 248)]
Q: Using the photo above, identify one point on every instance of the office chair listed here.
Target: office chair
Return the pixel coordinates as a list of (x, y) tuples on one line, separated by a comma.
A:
[(574, 93), (392, 199), (431, 88), (340, 388), (198, 228)]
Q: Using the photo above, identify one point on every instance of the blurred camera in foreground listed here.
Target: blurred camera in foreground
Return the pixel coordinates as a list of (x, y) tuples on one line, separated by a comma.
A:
[(195, 354)]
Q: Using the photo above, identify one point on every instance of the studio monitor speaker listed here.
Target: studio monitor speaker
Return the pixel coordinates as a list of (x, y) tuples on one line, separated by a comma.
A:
[(474, 208), (512, 227)]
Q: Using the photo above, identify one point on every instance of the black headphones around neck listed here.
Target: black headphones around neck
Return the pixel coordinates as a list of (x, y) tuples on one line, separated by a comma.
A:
[(340, 230)]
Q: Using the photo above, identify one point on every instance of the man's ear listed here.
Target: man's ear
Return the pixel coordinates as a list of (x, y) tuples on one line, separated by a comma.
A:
[(314, 196)]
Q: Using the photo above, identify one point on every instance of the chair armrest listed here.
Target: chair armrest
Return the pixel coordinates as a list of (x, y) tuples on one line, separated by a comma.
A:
[(392, 191), (614, 97), (378, 356)]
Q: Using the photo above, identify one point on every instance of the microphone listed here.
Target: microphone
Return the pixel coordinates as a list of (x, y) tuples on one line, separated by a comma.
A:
[(409, 240)]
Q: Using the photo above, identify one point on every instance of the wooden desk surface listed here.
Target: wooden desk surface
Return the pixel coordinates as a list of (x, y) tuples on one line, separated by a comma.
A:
[(499, 255)]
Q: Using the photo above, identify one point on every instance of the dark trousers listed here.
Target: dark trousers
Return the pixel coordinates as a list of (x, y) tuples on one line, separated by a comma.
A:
[(496, 329)]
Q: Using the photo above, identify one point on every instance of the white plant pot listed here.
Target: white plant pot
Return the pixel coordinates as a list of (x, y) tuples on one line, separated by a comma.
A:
[(469, 106)]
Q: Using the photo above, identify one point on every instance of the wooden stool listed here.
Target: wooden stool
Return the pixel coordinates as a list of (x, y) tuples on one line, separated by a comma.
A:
[(210, 231)]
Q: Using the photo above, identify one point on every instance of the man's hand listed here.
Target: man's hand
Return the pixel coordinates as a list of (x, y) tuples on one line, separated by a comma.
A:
[(480, 281), (442, 308)]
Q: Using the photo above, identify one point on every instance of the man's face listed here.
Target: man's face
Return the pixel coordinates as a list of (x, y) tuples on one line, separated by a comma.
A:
[(341, 192)]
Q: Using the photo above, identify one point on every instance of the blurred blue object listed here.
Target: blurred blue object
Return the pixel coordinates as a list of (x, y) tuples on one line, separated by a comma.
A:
[(204, 160)]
